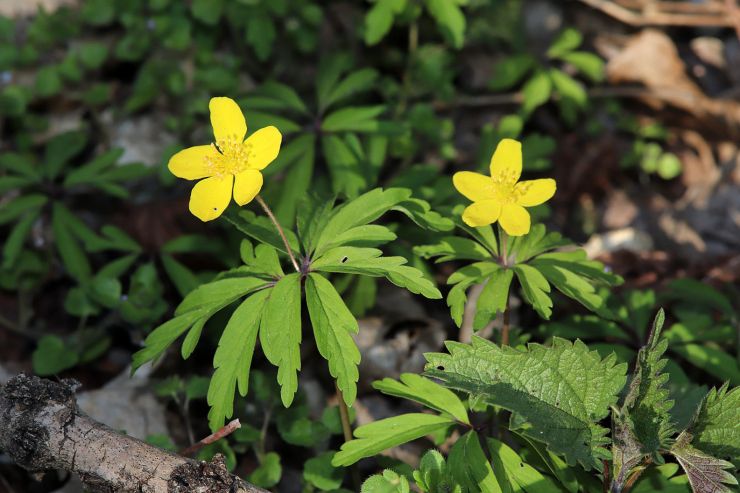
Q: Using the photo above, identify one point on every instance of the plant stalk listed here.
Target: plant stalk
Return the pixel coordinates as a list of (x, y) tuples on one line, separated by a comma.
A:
[(347, 430), (505, 261), (280, 231)]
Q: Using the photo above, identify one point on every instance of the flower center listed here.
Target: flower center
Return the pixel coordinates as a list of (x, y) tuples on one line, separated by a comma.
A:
[(231, 157), (503, 187)]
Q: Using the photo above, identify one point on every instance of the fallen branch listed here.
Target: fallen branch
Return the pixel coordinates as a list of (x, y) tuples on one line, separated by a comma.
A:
[(665, 14), (42, 429)]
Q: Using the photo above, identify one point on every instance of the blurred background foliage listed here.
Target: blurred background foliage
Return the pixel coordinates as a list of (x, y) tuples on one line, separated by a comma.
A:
[(98, 247)]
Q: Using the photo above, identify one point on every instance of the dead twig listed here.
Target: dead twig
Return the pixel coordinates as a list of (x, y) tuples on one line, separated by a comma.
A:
[(665, 13), (225, 431)]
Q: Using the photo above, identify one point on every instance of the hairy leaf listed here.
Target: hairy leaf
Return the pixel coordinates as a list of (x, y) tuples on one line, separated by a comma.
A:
[(557, 394), (707, 474)]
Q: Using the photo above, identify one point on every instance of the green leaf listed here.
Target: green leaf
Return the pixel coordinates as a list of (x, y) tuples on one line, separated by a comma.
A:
[(269, 472), (207, 11), (642, 426), (233, 358), (61, 149), (73, 257), (261, 229), (333, 325), (424, 391), (422, 214), (521, 475), (319, 472), (536, 92), (557, 394), (163, 336), (20, 206), (716, 428), (494, 298), (280, 333), (354, 119), (297, 183), (450, 19), (707, 474), (344, 165), (568, 40), (535, 288), (588, 64), (53, 356), (213, 296), (367, 261), (89, 173), (389, 482), (183, 278), (92, 54), (470, 467), (260, 33), (509, 72), (355, 82), (451, 248), (387, 433), (568, 88), (379, 19), (363, 210), (433, 475), (16, 238)]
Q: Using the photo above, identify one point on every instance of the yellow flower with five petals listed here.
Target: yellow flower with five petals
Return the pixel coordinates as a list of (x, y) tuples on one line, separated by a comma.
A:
[(230, 164), (502, 197)]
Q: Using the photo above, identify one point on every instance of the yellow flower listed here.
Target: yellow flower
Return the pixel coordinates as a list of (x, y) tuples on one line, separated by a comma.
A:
[(499, 197), (229, 163)]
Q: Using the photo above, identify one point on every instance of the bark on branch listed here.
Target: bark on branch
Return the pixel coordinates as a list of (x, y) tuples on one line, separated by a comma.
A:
[(41, 428)]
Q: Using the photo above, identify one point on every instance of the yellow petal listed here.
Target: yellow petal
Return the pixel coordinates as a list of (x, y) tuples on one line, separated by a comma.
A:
[(210, 197), (190, 163), (247, 185), (481, 213), (506, 162), (515, 220), (535, 192), (473, 186), (227, 120), (263, 147)]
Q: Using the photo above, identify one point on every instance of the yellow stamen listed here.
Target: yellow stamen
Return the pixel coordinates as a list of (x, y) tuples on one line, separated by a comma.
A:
[(231, 157)]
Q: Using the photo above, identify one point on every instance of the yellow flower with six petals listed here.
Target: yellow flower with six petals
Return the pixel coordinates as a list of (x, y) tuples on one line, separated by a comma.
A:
[(502, 197), (231, 163)]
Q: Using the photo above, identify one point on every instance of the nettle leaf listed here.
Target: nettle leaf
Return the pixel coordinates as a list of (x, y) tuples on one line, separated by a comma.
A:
[(424, 391), (433, 475), (233, 358), (557, 394), (469, 466), (280, 333), (369, 262), (377, 436), (642, 426), (716, 428), (333, 325), (706, 473), (388, 482)]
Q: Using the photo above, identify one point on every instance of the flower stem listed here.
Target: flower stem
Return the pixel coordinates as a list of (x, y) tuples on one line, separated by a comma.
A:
[(505, 261), (347, 430), (280, 231)]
